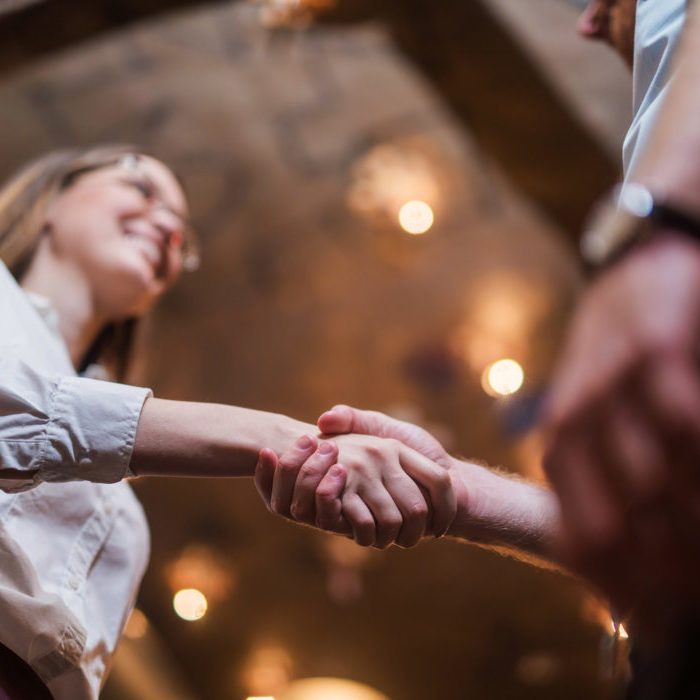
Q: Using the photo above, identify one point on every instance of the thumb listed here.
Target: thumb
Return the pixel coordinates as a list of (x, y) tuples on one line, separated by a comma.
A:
[(340, 419)]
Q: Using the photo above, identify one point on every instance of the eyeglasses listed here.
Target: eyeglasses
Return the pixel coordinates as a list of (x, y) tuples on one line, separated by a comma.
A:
[(183, 238)]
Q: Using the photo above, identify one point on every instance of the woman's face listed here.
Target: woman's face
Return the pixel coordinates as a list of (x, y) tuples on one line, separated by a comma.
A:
[(121, 228)]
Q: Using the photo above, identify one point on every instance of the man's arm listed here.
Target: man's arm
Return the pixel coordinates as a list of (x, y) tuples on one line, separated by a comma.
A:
[(494, 510), (623, 420)]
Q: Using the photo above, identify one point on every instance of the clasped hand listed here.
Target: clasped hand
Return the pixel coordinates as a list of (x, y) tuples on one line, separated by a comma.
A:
[(373, 487)]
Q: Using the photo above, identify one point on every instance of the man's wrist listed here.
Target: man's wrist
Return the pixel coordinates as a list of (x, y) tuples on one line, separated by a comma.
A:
[(499, 511), (631, 215)]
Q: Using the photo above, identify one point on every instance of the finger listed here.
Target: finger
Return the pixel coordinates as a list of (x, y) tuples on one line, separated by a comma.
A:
[(671, 396), (329, 507), (635, 457), (387, 516), (286, 474), (436, 480), (310, 476), (337, 421), (264, 474), (592, 524), (360, 519), (343, 419), (412, 506)]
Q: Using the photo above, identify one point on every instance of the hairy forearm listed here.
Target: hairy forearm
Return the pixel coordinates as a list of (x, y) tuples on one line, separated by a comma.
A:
[(505, 513), (182, 438)]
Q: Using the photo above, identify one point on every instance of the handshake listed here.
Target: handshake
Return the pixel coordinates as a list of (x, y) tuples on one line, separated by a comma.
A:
[(379, 480)]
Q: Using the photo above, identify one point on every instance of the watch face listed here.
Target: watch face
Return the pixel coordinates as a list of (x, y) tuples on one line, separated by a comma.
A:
[(636, 199), (615, 222)]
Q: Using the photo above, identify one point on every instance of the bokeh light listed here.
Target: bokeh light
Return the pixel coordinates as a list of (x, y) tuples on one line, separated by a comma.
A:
[(416, 217), (503, 378), (190, 604), (329, 689)]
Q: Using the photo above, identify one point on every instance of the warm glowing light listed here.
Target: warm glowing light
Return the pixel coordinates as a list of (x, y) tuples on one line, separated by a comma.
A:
[(416, 217), (202, 568), (503, 378), (620, 627), (329, 689), (190, 604), (260, 697), (137, 625), (267, 671)]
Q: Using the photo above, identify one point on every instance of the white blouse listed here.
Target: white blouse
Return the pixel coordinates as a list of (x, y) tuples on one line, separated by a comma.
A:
[(74, 541)]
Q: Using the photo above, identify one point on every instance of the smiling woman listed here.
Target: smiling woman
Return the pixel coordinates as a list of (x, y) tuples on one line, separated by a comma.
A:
[(89, 241), (45, 236)]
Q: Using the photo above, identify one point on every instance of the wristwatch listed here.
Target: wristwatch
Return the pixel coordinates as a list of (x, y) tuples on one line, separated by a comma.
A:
[(628, 215)]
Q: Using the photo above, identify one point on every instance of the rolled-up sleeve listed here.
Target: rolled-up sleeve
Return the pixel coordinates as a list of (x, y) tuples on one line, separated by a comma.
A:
[(63, 428)]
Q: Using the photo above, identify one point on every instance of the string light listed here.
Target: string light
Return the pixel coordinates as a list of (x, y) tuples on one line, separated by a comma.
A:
[(190, 604), (503, 378), (416, 217)]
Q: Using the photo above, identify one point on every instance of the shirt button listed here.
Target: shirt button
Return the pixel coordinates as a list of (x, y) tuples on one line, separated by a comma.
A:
[(74, 583), (108, 507)]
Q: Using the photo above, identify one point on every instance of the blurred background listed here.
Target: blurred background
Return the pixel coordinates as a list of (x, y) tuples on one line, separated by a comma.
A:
[(388, 196)]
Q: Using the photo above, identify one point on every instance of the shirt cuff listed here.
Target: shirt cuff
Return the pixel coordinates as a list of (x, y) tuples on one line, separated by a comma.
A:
[(92, 430)]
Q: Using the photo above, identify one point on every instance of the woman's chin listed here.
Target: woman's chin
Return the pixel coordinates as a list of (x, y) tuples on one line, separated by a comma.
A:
[(133, 291)]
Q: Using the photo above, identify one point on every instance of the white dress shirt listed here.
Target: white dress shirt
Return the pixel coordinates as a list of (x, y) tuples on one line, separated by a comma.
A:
[(658, 29), (74, 540)]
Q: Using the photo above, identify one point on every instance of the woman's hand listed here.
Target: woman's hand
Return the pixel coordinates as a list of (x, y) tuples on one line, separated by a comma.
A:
[(382, 501)]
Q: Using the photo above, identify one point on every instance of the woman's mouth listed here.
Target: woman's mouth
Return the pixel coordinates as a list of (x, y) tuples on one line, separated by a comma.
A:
[(151, 248)]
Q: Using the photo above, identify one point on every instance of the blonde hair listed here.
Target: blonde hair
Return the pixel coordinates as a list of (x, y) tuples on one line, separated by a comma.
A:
[(24, 200)]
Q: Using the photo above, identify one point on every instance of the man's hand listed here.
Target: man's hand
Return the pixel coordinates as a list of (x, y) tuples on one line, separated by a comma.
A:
[(381, 502), (623, 429), (345, 419)]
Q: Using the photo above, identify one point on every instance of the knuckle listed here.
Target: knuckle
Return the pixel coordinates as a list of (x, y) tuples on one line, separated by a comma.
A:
[(393, 444), (309, 471), (361, 470), (325, 493), (288, 466), (374, 450), (417, 511), (443, 481)]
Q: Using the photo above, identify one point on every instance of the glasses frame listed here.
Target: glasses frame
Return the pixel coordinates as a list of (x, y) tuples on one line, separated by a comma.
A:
[(130, 162)]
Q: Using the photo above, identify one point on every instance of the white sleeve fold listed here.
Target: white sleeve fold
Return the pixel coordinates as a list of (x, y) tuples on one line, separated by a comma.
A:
[(63, 428)]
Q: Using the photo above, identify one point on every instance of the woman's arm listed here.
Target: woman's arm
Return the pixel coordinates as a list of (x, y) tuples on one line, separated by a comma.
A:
[(183, 438), (382, 499)]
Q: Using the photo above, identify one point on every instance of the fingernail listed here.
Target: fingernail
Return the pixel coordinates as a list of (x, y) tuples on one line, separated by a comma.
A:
[(326, 448), (304, 442)]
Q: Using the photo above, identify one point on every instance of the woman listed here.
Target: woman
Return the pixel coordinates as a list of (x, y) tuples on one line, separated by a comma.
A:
[(90, 240)]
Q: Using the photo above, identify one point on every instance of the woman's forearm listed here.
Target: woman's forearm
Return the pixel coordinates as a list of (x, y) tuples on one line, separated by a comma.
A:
[(182, 438), (498, 511)]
